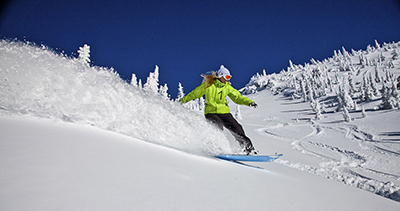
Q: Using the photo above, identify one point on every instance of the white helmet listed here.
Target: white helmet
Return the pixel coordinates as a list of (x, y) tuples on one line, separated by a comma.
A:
[(223, 71)]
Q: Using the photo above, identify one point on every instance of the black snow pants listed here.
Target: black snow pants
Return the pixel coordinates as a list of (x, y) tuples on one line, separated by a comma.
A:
[(230, 123)]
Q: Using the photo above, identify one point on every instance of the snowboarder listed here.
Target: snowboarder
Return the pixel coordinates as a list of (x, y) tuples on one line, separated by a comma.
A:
[(216, 87)]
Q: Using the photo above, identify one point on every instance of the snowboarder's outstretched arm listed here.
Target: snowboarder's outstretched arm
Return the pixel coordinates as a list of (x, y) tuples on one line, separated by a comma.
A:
[(196, 93), (237, 98)]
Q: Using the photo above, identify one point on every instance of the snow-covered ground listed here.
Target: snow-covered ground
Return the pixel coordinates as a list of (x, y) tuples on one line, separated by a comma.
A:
[(75, 137)]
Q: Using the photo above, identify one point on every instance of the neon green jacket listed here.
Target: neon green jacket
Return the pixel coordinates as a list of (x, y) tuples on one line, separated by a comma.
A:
[(216, 97)]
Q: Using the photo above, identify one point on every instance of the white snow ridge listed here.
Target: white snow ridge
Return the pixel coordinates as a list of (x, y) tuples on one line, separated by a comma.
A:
[(75, 136)]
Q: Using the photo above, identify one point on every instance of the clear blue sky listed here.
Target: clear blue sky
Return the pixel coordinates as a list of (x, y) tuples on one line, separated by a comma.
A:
[(186, 38)]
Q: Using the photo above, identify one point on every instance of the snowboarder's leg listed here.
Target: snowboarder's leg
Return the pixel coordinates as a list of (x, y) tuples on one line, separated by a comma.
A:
[(237, 131), (214, 118)]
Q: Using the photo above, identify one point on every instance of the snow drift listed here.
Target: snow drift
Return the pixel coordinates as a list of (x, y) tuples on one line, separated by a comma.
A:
[(39, 82)]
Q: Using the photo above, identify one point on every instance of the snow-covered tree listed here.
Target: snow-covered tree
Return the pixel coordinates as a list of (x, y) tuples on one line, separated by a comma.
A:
[(398, 82), (346, 114), (317, 109), (395, 54), (366, 92), (303, 89), (363, 60), (377, 77), (134, 80), (373, 85), (202, 103), (330, 84), (344, 99), (390, 97), (164, 91), (151, 84), (180, 92), (386, 102), (84, 55), (352, 87), (381, 58), (377, 45), (291, 66), (364, 114), (140, 84), (370, 49), (395, 95)]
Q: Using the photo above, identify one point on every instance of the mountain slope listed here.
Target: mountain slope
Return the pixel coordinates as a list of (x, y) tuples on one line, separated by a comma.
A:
[(77, 137), (62, 166)]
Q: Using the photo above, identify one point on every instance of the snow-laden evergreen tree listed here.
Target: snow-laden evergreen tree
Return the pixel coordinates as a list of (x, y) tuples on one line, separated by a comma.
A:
[(310, 92), (291, 66), (381, 58), (330, 84), (316, 106), (202, 103), (373, 85), (366, 92), (377, 45), (377, 77), (164, 91), (303, 89), (390, 64), (193, 105), (395, 95), (386, 98), (180, 92), (390, 96), (346, 114), (344, 99), (395, 54), (151, 84), (140, 84), (398, 83), (370, 49), (355, 105), (364, 114), (389, 76), (134, 80), (84, 55), (363, 60), (352, 87)]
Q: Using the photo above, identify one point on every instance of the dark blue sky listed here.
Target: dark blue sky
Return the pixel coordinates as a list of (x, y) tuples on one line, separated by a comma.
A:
[(187, 38)]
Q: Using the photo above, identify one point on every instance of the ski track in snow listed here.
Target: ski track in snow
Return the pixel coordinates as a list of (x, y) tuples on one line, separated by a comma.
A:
[(344, 170), (348, 169)]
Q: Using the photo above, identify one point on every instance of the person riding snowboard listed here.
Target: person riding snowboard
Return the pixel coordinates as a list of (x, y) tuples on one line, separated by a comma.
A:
[(216, 87)]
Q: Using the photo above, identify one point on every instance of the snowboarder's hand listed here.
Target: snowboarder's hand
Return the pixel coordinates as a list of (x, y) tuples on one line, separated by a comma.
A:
[(253, 104)]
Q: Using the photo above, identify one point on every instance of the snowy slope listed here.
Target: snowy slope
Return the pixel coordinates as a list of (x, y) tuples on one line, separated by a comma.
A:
[(77, 137), (352, 153), (51, 165)]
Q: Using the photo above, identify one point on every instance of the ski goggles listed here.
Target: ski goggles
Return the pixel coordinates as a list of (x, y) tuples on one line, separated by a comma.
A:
[(227, 77)]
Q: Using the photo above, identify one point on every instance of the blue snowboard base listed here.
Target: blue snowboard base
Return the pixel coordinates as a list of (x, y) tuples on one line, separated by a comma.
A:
[(249, 158)]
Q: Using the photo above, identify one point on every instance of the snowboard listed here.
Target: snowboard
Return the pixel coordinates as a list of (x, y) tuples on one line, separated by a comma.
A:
[(249, 158)]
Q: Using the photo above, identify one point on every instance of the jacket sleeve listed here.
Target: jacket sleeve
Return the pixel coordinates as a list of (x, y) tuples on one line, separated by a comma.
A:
[(196, 93), (237, 98)]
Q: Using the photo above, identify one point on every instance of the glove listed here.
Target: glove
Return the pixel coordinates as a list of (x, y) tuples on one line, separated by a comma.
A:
[(253, 104)]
